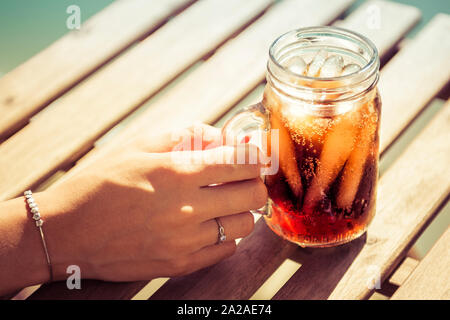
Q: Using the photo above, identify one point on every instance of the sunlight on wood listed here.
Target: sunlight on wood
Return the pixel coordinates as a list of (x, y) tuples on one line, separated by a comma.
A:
[(25, 292), (378, 296), (108, 136), (403, 271), (276, 280), (150, 289)]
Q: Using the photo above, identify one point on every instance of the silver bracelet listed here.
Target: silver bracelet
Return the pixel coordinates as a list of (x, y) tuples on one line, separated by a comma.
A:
[(39, 222)]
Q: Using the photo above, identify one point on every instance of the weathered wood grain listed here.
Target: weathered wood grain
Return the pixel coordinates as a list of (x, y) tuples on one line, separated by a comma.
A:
[(69, 126), (201, 102), (348, 252), (252, 67), (403, 271), (194, 99), (41, 79), (383, 22), (414, 75), (431, 278)]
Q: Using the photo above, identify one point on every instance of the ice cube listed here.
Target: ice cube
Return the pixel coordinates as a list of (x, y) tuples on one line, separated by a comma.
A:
[(332, 67), (317, 63), (350, 68), (296, 65)]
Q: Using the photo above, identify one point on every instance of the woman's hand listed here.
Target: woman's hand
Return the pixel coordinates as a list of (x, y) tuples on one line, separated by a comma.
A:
[(142, 211)]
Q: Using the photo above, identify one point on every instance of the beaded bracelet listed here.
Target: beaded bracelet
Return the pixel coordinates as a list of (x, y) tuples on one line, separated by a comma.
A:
[(39, 222)]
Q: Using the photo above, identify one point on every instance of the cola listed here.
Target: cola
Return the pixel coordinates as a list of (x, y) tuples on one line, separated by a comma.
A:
[(324, 191)]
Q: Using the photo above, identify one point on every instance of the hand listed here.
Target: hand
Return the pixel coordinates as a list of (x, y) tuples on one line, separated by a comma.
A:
[(138, 214)]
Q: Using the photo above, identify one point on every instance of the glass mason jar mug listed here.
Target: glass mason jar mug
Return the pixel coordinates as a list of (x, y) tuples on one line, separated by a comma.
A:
[(322, 100)]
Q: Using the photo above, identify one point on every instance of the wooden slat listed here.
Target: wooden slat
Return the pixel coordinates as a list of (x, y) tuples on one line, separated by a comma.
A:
[(408, 196), (241, 69), (403, 271), (69, 126), (206, 103), (406, 91), (29, 87), (248, 70), (431, 278), (251, 253), (383, 22)]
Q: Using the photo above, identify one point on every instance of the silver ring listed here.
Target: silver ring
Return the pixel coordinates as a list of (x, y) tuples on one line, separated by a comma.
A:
[(221, 237)]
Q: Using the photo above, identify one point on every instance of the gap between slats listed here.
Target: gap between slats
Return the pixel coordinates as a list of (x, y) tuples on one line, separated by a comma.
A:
[(75, 56), (393, 79), (430, 279), (85, 114), (252, 34)]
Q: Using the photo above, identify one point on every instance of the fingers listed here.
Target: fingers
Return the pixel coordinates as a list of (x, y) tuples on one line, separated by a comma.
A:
[(219, 165), (197, 137), (235, 226), (231, 198)]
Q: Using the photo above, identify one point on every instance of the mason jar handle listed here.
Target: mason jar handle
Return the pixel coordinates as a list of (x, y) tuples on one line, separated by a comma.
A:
[(248, 126)]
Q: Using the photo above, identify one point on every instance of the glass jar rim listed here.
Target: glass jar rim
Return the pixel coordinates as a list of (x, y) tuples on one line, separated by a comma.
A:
[(366, 77)]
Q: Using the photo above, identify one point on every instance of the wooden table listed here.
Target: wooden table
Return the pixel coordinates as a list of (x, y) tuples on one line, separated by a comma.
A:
[(130, 66)]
